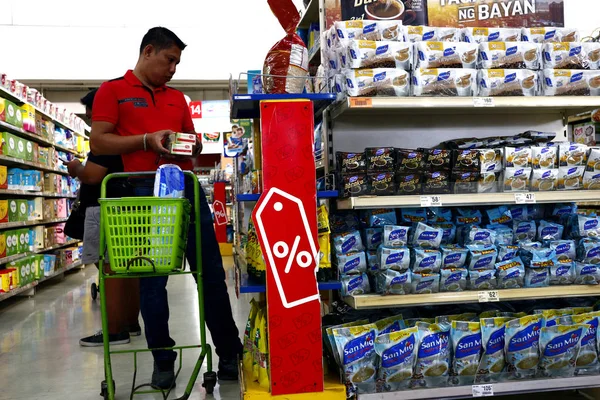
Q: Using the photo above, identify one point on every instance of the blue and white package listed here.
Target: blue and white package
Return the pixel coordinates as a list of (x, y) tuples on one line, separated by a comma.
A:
[(453, 280), (511, 274), (393, 282), (506, 252), (372, 261), (482, 280), (397, 355), (549, 231), (589, 251), (454, 256), (425, 283), (504, 234), (535, 211), (564, 249), (499, 215), (522, 346), (538, 277), (563, 273), (481, 257), (449, 235), (519, 213), (395, 236), (381, 217), (564, 209), (348, 242), (543, 258), (353, 285), (169, 181), (439, 215), (480, 236), (352, 263), (468, 216), (588, 226), (397, 259), (466, 343), (426, 261), (427, 236), (587, 274), (413, 215), (433, 356), (373, 238), (524, 231), (526, 250)]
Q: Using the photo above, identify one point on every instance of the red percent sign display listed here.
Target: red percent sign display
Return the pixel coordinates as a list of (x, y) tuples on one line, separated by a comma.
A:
[(220, 212), (286, 222)]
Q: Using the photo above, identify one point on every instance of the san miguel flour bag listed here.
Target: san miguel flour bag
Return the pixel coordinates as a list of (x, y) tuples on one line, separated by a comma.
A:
[(286, 65)]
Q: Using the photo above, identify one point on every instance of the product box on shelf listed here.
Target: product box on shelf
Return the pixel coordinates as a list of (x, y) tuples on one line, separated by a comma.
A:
[(28, 118), (52, 182), (49, 263), (38, 234), (13, 210), (22, 209), (3, 177), (2, 244), (566, 82), (3, 211), (23, 245), (35, 209), (49, 209), (586, 133), (38, 265), (19, 275), (43, 156), (28, 153), (12, 242), (9, 145), (10, 113), (61, 208), (21, 148)]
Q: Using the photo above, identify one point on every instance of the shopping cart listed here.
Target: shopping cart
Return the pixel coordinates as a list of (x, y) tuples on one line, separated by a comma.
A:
[(146, 237)]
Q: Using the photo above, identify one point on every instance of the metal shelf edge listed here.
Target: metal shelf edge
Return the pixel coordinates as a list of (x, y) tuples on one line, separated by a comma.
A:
[(8, 225), (322, 194), (16, 257)]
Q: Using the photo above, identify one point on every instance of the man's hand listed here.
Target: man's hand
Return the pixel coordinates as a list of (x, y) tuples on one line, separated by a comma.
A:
[(73, 167), (154, 141)]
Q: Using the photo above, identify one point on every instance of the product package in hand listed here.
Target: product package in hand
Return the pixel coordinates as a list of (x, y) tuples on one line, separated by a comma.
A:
[(181, 144), (169, 182)]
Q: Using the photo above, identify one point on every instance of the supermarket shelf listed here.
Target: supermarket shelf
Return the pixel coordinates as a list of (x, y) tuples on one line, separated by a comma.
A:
[(570, 105), (24, 134), (503, 388), (31, 285), (470, 296), (314, 54), (246, 106), (251, 287), (328, 194), (16, 257), (8, 225), (35, 194), (310, 14), (68, 150), (11, 161), (586, 117), (449, 200)]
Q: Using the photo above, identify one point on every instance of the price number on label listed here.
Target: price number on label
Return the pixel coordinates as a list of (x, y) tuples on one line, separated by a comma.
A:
[(431, 201), (483, 102), (525, 198), (489, 296), (483, 390), (362, 102)]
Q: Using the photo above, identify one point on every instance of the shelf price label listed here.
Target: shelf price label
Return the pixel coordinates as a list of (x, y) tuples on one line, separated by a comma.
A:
[(488, 296), (483, 102), (431, 201), (525, 198), (358, 102), (482, 390)]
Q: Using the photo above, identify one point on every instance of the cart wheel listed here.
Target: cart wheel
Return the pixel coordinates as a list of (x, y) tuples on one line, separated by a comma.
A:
[(104, 389), (210, 381), (94, 291)]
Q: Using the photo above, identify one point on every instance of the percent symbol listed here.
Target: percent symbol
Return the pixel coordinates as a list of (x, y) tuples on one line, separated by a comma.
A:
[(281, 249)]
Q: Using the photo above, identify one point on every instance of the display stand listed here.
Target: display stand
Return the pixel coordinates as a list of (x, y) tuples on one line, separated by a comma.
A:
[(221, 217)]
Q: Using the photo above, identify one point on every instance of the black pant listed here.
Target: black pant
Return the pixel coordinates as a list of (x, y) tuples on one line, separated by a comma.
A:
[(217, 308)]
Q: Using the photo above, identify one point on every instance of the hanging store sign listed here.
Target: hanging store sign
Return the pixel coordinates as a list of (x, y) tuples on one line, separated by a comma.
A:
[(410, 12)]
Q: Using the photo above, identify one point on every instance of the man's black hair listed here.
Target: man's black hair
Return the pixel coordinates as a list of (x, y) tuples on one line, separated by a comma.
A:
[(161, 38), (88, 99)]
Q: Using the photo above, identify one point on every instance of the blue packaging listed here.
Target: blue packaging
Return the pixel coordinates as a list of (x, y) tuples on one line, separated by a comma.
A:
[(524, 231), (352, 264), (169, 182), (480, 236), (564, 249), (255, 82), (468, 216), (499, 215), (374, 237), (379, 218), (414, 215), (439, 215), (539, 277), (454, 256), (549, 231), (426, 261), (449, 235), (395, 236), (397, 259), (349, 242), (482, 257)]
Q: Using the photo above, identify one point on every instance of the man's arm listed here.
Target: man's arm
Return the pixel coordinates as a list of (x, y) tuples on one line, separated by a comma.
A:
[(90, 174), (104, 142)]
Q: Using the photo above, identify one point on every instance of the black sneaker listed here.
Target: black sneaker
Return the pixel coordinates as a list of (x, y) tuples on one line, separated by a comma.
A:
[(97, 339), (134, 330), (228, 369), (164, 377)]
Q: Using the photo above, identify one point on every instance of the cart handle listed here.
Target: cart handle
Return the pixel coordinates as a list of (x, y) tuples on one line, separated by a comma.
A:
[(123, 175), (132, 260)]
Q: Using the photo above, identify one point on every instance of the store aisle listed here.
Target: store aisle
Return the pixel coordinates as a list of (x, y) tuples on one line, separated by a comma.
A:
[(40, 356)]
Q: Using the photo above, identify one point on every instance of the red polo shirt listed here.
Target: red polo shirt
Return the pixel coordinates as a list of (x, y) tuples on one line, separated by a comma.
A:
[(135, 109)]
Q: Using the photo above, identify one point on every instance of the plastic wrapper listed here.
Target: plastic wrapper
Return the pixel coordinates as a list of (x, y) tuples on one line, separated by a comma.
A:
[(395, 236), (439, 215), (507, 252), (588, 251), (263, 352), (449, 235), (356, 350), (570, 178), (444, 82), (517, 157), (544, 180), (524, 231), (438, 159), (348, 242), (374, 237), (539, 277), (544, 157), (414, 215), (390, 282), (372, 261), (426, 261), (381, 183), (379, 54), (522, 346), (377, 82), (587, 359), (480, 35), (410, 161), (286, 63), (248, 355), (468, 216), (324, 251), (453, 280), (436, 182), (480, 236), (517, 179), (572, 154), (425, 283), (380, 159), (432, 34), (566, 82), (446, 55), (352, 263), (354, 185), (510, 274), (464, 182), (550, 231), (427, 237), (499, 215), (466, 160), (504, 235), (559, 348), (543, 258), (493, 332), (169, 182), (351, 162), (408, 183), (508, 82), (510, 55), (466, 346), (353, 285), (489, 182), (564, 249), (433, 356), (481, 257), (591, 180), (397, 259), (587, 226), (593, 161), (587, 274), (550, 34), (482, 280), (563, 273), (330, 343), (397, 355), (381, 217), (369, 30), (571, 55), (391, 324)]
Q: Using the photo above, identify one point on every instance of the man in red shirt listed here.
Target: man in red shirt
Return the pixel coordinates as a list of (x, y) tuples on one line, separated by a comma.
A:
[(131, 117)]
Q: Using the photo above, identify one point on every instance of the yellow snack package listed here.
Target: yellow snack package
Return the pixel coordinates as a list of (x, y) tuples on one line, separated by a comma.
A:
[(582, 310), (488, 314), (322, 219), (324, 251), (248, 356), (550, 317), (331, 340), (255, 346), (263, 352), (447, 319), (390, 324)]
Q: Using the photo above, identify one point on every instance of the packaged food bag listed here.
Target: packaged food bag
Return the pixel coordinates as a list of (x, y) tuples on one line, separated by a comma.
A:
[(559, 347), (255, 348), (356, 350), (397, 352), (286, 63), (390, 324), (330, 343), (466, 347), (522, 346), (433, 354), (263, 352), (169, 182), (492, 359), (587, 360), (247, 358)]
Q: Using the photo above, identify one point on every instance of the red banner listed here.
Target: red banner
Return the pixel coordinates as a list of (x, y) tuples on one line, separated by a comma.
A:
[(286, 223), (220, 212)]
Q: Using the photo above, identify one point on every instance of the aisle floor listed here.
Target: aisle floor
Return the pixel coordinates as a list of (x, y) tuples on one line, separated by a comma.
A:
[(39, 342)]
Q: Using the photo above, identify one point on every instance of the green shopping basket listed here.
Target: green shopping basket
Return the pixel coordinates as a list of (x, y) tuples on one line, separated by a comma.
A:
[(145, 234)]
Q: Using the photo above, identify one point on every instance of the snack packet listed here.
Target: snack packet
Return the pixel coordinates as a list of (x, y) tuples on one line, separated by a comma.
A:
[(499, 215), (480, 236), (492, 339), (439, 215), (349, 242), (379, 54), (559, 346), (453, 280), (468, 216), (453, 256), (449, 235), (433, 355), (395, 236), (390, 324), (398, 353), (564, 249), (522, 346), (393, 282), (372, 261), (507, 252), (480, 35), (352, 263), (588, 226), (544, 157), (351, 162), (539, 277), (263, 353), (504, 235), (248, 355), (570, 178), (587, 359), (410, 322), (330, 343), (447, 319), (446, 55), (425, 283), (426, 261), (466, 346), (427, 236), (563, 273), (481, 257), (524, 231), (511, 274), (589, 251), (587, 274), (549, 231), (572, 154), (354, 285), (369, 30), (396, 259), (414, 215), (323, 220), (544, 180), (517, 179), (482, 280), (381, 217), (374, 237), (356, 349)]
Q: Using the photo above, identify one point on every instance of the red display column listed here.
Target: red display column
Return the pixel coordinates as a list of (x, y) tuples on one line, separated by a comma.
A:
[(286, 222), (220, 211)]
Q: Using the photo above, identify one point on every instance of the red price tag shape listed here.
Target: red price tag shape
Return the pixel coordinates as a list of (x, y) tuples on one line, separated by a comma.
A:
[(220, 213), (290, 248)]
